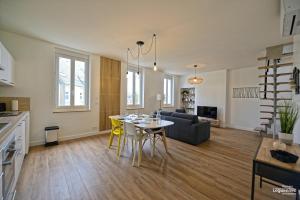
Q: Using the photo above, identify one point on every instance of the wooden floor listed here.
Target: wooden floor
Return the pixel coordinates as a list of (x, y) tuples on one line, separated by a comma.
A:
[(86, 169)]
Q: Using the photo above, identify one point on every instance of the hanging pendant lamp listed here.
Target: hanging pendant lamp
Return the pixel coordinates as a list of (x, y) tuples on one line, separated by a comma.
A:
[(195, 80)]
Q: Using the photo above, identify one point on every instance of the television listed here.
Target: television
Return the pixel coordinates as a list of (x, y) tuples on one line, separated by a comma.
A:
[(207, 111)]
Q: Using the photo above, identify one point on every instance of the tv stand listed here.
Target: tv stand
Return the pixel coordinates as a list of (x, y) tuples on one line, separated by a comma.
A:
[(213, 122)]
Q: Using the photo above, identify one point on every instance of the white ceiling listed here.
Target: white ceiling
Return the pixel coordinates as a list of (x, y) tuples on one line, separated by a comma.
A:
[(217, 34)]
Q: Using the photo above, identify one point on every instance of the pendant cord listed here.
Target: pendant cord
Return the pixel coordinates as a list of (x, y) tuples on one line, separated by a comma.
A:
[(154, 49), (139, 48), (127, 59)]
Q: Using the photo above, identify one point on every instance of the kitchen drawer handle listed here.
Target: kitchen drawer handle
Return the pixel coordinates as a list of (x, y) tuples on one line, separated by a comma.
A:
[(1, 69), (3, 79), (10, 161)]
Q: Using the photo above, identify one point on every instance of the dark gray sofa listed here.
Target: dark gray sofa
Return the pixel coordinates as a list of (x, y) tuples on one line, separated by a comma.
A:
[(187, 128)]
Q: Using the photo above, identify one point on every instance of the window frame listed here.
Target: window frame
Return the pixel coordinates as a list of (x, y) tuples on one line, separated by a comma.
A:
[(73, 56), (141, 74), (168, 77)]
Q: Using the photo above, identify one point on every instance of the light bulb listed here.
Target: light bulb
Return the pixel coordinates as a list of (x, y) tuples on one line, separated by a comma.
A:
[(154, 67)]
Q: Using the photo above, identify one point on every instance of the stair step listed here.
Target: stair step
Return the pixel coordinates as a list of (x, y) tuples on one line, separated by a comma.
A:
[(284, 55), (279, 91), (278, 83), (278, 99), (265, 105), (269, 112), (265, 124), (277, 66), (269, 118), (272, 75)]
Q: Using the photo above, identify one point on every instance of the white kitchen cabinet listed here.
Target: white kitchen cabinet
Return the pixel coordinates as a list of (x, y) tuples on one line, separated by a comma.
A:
[(20, 146), (7, 65)]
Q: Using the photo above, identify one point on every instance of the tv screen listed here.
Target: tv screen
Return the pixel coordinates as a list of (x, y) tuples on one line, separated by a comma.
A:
[(207, 111)]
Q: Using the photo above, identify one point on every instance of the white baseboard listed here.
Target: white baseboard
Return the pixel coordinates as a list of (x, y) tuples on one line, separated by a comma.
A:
[(70, 137), (240, 127)]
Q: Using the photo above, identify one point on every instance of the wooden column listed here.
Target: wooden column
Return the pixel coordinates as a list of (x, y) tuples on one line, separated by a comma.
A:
[(110, 84)]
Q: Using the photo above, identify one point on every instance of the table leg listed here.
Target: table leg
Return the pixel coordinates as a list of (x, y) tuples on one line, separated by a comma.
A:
[(260, 182), (253, 181), (297, 194), (153, 145), (140, 152), (140, 140), (165, 140)]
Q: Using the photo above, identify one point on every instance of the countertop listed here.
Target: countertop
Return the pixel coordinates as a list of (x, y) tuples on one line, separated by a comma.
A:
[(13, 123)]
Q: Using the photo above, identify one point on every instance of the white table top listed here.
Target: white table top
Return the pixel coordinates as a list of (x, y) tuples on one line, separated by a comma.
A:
[(143, 124)]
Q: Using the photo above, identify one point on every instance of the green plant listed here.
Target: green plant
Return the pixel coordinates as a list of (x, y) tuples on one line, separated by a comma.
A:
[(288, 114)]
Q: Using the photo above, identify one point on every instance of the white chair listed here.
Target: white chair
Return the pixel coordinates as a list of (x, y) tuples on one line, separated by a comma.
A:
[(137, 137)]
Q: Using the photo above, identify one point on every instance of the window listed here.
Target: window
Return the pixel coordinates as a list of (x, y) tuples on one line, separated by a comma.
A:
[(134, 89), (168, 90), (72, 81)]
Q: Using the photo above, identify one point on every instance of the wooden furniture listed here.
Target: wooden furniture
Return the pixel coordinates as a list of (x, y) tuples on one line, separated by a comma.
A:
[(213, 122), (110, 82), (188, 99), (268, 168), (6, 67)]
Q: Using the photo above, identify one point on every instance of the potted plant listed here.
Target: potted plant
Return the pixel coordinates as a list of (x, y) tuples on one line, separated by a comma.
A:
[(288, 114)]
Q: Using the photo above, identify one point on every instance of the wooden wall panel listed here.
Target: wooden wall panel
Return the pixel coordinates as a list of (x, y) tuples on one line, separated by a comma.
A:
[(110, 85)]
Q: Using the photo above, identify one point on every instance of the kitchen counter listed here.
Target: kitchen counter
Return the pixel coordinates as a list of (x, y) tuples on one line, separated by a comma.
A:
[(13, 123)]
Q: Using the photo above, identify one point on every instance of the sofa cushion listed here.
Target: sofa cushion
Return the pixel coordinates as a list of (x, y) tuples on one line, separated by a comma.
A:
[(166, 113), (193, 118)]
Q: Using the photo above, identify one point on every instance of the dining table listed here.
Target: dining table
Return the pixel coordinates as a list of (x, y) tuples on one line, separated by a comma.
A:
[(153, 126)]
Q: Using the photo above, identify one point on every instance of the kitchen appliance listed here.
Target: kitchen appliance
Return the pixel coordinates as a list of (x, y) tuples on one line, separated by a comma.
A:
[(8, 167), (2, 107)]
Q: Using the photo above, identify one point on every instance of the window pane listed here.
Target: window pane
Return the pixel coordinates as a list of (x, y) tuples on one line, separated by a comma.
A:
[(165, 91), (137, 95), (64, 82), (80, 83), (130, 88), (169, 99)]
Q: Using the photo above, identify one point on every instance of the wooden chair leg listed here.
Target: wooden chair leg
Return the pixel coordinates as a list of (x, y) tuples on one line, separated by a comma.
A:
[(110, 139), (140, 151), (119, 144), (133, 150), (153, 145), (164, 140)]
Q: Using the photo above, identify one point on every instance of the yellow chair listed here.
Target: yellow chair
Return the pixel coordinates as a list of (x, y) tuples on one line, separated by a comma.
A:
[(116, 129)]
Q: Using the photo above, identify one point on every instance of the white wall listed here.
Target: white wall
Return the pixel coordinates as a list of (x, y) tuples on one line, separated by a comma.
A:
[(296, 59), (243, 113), (212, 92), (35, 79), (153, 84), (216, 90)]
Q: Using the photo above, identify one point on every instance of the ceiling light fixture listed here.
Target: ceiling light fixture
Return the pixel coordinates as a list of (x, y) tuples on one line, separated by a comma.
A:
[(140, 53), (195, 80)]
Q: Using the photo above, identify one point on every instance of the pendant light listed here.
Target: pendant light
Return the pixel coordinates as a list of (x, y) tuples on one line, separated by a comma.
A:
[(195, 80), (140, 53), (154, 66)]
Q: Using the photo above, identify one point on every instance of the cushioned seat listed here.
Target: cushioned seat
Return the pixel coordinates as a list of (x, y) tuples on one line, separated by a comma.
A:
[(186, 128)]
